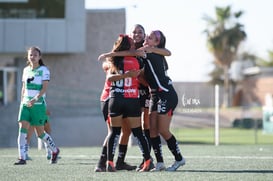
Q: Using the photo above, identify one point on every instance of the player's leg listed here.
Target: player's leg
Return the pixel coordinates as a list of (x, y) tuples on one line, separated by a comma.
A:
[(24, 124), (101, 165), (47, 128), (39, 114), (29, 136), (112, 142), (123, 146)]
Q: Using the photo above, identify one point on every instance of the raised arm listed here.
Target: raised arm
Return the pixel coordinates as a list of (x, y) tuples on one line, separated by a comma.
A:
[(160, 51), (140, 53)]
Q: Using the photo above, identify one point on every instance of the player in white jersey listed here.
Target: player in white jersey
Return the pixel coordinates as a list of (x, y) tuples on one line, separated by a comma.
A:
[(33, 108)]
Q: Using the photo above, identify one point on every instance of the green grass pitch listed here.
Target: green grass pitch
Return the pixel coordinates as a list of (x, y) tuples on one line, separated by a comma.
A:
[(203, 162)]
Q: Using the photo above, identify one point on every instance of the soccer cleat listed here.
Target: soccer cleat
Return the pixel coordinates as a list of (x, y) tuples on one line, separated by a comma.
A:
[(176, 165), (20, 162), (147, 166), (101, 166), (54, 156), (48, 157), (110, 167), (140, 166), (100, 169), (158, 167), (124, 166)]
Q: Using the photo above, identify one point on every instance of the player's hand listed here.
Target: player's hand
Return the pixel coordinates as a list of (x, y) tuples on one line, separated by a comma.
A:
[(31, 103), (102, 57), (132, 73)]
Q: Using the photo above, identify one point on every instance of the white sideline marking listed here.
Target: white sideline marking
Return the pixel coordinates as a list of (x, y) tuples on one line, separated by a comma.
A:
[(137, 157), (218, 157), (233, 157)]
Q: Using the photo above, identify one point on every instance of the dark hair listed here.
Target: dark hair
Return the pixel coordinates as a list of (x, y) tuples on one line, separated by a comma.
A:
[(123, 43), (160, 37), (162, 42), (41, 63), (140, 44), (140, 26)]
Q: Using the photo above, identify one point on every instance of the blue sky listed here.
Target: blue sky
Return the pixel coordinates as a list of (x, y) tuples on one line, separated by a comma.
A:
[(181, 22)]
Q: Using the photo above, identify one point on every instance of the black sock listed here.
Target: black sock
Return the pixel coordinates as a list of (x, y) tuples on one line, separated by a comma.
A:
[(103, 156), (157, 147), (112, 142), (142, 142), (173, 147), (122, 153), (147, 134)]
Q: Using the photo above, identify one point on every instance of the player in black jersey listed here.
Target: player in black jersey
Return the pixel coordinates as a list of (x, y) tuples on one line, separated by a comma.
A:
[(162, 103), (124, 101)]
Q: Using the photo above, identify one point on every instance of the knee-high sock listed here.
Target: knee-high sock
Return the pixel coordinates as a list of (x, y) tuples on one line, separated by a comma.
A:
[(142, 142), (27, 148), (112, 143), (173, 147), (147, 134), (122, 153), (22, 143), (103, 156), (47, 149), (49, 141), (157, 147)]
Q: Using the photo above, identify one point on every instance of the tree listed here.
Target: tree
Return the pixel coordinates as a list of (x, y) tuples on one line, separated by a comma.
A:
[(224, 35), (216, 75)]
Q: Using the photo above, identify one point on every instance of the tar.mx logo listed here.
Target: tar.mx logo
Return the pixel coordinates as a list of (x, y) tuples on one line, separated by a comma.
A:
[(190, 104), (190, 101)]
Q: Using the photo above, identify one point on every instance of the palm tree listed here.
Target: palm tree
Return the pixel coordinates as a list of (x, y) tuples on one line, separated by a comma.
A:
[(224, 35), (216, 75)]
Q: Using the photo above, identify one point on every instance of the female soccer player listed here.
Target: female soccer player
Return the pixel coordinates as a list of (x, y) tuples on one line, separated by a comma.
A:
[(33, 108), (163, 101), (124, 100)]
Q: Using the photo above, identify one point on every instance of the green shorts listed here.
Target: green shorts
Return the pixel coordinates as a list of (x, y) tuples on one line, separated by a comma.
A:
[(46, 118), (35, 115)]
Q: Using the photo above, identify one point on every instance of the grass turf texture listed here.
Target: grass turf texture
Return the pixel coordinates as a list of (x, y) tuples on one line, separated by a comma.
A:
[(204, 162), (226, 136)]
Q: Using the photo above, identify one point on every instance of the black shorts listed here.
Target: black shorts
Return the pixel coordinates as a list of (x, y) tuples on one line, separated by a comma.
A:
[(124, 106), (164, 102), (104, 109), (144, 97)]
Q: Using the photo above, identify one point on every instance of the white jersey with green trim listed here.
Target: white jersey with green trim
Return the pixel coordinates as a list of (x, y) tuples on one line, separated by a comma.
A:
[(33, 80)]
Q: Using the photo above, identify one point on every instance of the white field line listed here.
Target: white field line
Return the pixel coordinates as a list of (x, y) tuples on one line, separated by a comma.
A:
[(169, 157)]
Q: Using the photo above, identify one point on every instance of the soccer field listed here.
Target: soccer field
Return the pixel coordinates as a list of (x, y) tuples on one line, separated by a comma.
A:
[(203, 162)]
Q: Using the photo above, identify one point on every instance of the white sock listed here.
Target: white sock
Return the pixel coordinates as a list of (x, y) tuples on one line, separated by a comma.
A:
[(22, 145), (49, 142), (47, 149), (27, 148)]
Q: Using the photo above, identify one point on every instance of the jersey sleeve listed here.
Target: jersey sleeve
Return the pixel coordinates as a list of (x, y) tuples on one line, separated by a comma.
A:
[(23, 76), (46, 74)]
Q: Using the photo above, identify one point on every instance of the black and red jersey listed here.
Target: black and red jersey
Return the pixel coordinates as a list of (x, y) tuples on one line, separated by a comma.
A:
[(106, 91), (128, 87)]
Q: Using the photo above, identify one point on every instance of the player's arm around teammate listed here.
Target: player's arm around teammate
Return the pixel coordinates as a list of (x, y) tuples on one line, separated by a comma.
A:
[(124, 100)]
